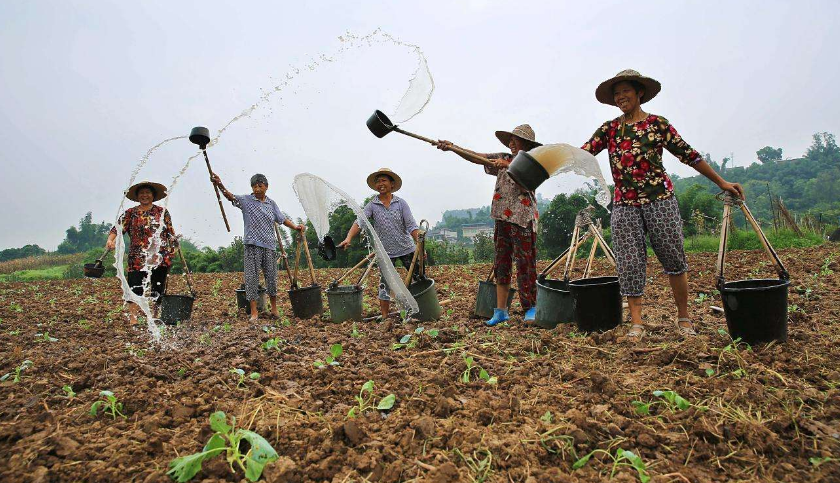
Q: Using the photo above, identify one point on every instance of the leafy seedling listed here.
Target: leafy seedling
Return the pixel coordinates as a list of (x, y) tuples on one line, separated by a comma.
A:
[(817, 461), (273, 343), (465, 376), (109, 404), (621, 458), (45, 337), (671, 399), (241, 376), (355, 332), (335, 351), (547, 417), (365, 401), (68, 391), (227, 439), (16, 374)]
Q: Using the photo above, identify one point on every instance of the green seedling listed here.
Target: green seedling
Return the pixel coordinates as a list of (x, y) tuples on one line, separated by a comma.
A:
[(701, 297), (486, 377), (481, 469), (335, 351), (45, 337), (14, 332), (84, 324), (365, 401), (68, 391), (16, 307), (455, 346), (181, 372), (482, 373), (273, 343), (671, 399), (409, 341), (547, 418), (227, 439), (621, 458), (355, 332), (16, 375), (465, 376), (817, 461), (216, 287), (109, 405), (254, 376)]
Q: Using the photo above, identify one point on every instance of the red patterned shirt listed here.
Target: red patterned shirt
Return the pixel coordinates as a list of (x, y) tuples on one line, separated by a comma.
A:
[(636, 157), (510, 202), (142, 228)]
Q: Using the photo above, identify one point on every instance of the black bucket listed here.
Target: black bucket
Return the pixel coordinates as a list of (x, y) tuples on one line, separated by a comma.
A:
[(94, 270), (756, 310), (527, 172), (306, 301), (175, 308), (554, 303), (597, 303), (379, 124), (326, 248), (242, 300), (200, 135), (485, 299)]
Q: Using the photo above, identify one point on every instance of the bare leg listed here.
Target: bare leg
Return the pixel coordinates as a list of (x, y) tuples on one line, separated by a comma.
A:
[(385, 308), (254, 314), (679, 285), (635, 304), (502, 292), (274, 310)]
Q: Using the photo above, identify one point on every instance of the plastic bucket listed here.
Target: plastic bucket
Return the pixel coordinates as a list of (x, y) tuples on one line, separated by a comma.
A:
[(345, 303), (425, 294), (485, 299), (756, 310), (526, 171), (596, 303), (94, 270), (306, 301), (554, 303), (242, 300), (175, 308)]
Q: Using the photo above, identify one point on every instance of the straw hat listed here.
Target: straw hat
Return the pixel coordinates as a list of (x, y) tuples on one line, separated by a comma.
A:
[(371, 179), (159, 190), (523, 132), (604, 92)]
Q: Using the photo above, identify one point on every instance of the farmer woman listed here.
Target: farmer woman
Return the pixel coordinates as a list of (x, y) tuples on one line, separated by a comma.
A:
[(394, 224), (644, 201), (515, 211), (259, 213), (152, 242)]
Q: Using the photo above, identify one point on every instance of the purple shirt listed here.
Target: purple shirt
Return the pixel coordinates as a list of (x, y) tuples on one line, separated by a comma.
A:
[(259, 217), (393, 225)]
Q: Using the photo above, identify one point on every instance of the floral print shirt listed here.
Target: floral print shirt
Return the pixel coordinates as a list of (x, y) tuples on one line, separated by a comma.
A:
[(510, 202), (636, 157), (141, 227)]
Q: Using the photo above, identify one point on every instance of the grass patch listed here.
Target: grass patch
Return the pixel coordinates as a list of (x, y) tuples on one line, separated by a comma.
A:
[(51, 273), (748, 240)]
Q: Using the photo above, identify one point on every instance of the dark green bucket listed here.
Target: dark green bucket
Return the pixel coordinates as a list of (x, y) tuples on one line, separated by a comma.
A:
[(175, 308), (485, 299), (345, 303), (307, 301), (554, 303), (425, 294)]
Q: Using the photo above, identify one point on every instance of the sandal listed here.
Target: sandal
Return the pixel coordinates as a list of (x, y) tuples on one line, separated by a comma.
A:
[(683, 330), (636, 332)]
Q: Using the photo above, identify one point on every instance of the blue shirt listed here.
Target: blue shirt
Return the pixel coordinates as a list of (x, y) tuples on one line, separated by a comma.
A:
[(259, 217), (393, 225)]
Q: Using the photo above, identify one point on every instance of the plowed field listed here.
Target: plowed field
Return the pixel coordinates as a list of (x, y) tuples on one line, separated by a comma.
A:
[(761, 413)]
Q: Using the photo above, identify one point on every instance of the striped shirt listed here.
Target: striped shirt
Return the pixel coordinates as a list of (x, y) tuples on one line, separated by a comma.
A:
[(393, 225), (259, 217)]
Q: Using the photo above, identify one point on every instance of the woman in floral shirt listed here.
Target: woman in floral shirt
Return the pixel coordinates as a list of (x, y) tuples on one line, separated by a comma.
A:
[(515, 212), (152, 241), (644, 201)]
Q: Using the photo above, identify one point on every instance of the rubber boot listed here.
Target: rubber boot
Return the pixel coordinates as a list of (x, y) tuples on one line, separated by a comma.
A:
[(530, 314), (499, 315)]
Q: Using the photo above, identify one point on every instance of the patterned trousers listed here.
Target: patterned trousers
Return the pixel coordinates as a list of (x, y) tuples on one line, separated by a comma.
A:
[(661, 221), (514, 242), (256, 259)]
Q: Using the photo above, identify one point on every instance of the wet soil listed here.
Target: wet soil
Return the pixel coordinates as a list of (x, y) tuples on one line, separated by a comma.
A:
[(770, 412)]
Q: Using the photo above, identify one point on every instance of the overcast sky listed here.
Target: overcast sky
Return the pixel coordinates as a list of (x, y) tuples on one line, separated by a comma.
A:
[(87, 87)]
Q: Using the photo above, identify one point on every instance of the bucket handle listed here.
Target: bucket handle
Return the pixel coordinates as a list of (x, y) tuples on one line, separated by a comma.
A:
[(187, 272), (283, 255), (351, 269), (728, 201)]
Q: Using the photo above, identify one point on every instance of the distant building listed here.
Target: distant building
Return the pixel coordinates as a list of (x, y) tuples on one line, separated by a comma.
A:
[(443, 235), (473, 229)]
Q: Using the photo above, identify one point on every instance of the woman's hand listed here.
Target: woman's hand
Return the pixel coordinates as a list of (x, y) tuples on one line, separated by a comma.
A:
[(216, 180), (346, 243), (111, 243), (500, 163), (301, 228), (444, 145), (733, 188)]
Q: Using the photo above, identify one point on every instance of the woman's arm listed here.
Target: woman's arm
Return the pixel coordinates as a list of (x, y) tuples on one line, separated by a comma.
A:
[(111, 243), (703, 168), (294, 226), (471, 156), (218, 182), (354, 230), (598, 141)]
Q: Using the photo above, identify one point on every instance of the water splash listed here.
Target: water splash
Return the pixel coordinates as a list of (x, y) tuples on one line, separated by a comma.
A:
[(564, 158), (318, 198)]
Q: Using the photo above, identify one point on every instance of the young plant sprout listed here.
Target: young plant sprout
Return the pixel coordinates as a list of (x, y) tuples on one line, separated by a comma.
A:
[(273, 343), (109, 404), (409, 341), (482, 373), (18, 370), (241, 373), (335, 351), (621, 458), (68, 391), (365, 401), (226, 439), (671, 399)]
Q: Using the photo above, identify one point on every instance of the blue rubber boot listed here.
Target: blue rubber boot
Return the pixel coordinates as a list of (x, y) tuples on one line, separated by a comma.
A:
[(499, 315), (530, 314)]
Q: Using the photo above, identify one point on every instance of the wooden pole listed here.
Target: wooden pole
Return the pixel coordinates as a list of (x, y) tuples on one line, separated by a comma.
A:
[(354, 267), (186, 271), (218, 196), (572, 249), (724, 235), (308, 258), (411, 268), (780, 269), (297, 264), (366, 272), (283, 252), (588, 268)]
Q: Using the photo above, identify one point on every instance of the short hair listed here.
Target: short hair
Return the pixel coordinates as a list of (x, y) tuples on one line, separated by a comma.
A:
[(147, 187), (259, 178), (386, 175), (638, 86)]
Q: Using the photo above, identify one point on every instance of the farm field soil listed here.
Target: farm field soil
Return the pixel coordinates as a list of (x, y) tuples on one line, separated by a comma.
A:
[(765, 413)]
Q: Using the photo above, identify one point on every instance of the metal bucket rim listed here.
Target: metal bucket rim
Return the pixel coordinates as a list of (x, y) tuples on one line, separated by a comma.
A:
[(430, 281), (584, 282), (344, 290), (305, 289), (541, 284), (773, 283)]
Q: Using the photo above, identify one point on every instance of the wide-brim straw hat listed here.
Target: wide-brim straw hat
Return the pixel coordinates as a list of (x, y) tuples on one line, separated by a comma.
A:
[(159, 190), (523, 132), (371, 179), (604, 92)]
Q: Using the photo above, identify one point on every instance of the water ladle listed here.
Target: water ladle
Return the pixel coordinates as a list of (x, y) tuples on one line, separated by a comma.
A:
[(201, 136), (326, 248), (380, 125), (96, 269)]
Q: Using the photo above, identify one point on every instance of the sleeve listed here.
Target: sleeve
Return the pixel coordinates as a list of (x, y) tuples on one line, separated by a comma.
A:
[(237, 201), (676, 145), (168, 233), (492, 170), (408, 218), (598, 141), (124, 221), (279, 216), (368, 212)]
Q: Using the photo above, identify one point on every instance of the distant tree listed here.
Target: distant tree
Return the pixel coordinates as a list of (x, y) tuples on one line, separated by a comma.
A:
[(558, 221), (22, 252), (767, 155), (88, 235), (484, 248), (823, 145)]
